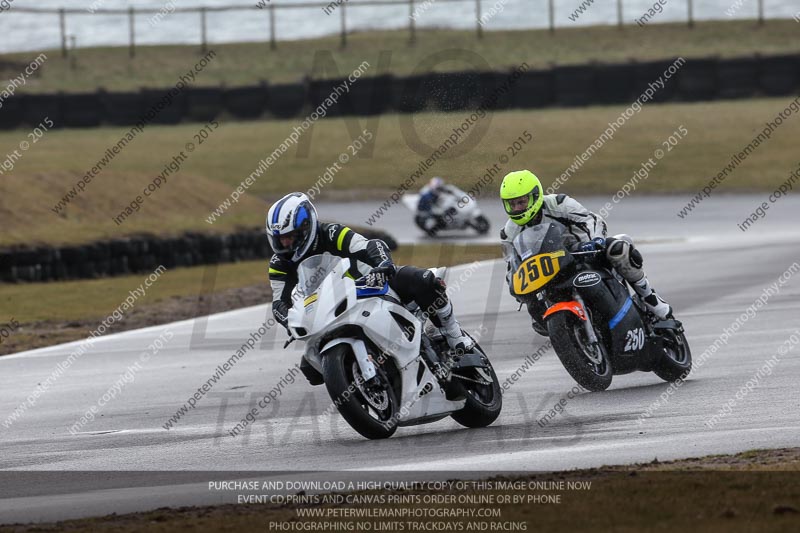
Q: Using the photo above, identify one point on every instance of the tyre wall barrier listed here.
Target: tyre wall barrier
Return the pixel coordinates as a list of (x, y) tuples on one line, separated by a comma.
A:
[(372, 96), (615, 83), (702, 79), (121, 109), (38, 106), (574, 86), (534, 88), (738, 78), (82, 111), (647, 75), (12, 114), (287, 100), (138, 254), (780, 75), (246, 102), (203, 105), (697, 80)]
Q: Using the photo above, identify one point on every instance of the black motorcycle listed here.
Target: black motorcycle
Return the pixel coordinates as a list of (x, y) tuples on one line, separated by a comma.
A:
[(597, 327)]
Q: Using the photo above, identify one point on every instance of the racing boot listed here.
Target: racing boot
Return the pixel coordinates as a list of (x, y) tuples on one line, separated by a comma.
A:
[(654, 303), (451, 329)]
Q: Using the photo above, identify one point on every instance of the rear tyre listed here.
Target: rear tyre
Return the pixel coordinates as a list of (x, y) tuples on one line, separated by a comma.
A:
[(481, 388), (676, 362), (371, 413), (421, 222), (590, 367), (481, 225)]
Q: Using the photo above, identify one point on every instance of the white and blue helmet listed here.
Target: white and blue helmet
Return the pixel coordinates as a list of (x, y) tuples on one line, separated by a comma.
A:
[(292, 214)]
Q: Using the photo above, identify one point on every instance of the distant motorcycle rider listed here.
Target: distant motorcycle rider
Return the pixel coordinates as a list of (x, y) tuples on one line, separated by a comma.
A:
[(526, 205), (295, 234), (431, 196)]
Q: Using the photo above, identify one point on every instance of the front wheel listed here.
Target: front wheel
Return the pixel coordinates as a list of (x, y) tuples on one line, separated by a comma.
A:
[(372, 411), (676, 362), (588, 365), (482, 391)]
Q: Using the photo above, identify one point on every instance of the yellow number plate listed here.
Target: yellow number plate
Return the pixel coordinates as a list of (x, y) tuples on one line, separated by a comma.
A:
[(536, 272)]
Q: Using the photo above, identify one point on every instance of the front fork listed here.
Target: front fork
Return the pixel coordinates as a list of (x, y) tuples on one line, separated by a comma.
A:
[(364, 361), (587, 324)]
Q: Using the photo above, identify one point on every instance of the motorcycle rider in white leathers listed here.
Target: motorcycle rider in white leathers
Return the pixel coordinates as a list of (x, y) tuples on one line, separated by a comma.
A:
[(431, 195), (295, 234), (527, 205)]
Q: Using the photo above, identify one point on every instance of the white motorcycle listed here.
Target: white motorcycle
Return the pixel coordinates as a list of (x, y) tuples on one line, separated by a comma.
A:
[(451, 213), (381, 368)]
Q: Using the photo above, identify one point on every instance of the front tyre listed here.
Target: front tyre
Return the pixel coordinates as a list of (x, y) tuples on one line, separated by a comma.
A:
[(371, 412), (676, 361), (588, 365), (481, 388)]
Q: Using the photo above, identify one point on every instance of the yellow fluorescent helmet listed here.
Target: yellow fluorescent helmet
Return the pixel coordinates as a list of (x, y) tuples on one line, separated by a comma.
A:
[(517, 186)]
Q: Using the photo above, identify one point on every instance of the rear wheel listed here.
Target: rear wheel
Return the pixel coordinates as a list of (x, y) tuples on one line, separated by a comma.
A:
[(676, 362), (372, 411), (422, 223), (481, 388), (588, 364), (481, 225)]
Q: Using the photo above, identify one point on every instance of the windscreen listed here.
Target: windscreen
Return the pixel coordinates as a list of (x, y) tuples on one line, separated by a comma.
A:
[(313, 271), (537, 239)]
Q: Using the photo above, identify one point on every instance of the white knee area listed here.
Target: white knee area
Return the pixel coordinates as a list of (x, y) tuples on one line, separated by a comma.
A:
[(619, 255)]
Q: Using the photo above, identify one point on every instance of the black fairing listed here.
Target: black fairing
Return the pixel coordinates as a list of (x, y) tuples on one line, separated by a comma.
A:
[(628, 340)]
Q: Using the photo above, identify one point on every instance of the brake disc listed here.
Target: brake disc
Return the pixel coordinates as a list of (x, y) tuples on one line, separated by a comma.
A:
[(378, 400)]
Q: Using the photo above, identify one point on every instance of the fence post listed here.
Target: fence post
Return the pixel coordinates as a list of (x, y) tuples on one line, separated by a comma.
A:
[(203, 34), (272, 44), (479, 25), (552, 16), (620, 22), (63, 24), (691, 13), (132, 47), (343, 43), (760, 12), (412, 30)]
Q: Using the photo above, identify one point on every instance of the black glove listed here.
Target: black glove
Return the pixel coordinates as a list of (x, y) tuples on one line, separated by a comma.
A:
[(594, 245), (380, 275), (280, 310)]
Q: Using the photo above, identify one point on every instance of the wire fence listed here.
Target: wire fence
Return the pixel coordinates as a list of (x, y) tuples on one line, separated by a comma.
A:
[(483, 9), (342, 6)]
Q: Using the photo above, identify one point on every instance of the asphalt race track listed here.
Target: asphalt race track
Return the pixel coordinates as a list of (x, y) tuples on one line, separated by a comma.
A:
[(708, 269)]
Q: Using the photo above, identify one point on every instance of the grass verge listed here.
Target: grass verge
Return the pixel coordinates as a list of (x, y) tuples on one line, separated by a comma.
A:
[(52, 313), (248, 63), (716, 131), (754, 491)]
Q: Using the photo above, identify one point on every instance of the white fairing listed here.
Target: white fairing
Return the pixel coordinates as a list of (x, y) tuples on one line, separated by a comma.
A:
[(467, 209), (313, 316)]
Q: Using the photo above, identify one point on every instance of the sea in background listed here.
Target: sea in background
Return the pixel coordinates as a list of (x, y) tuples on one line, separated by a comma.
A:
[(21, 31)]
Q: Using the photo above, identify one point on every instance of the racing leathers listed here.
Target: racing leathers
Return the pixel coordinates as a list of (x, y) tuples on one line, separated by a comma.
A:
[(580, 228), (411, 284)]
